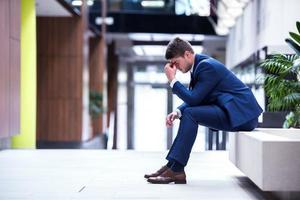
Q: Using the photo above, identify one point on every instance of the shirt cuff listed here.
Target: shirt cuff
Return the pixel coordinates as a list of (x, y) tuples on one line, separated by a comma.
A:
[(178, 113), (173, 82)]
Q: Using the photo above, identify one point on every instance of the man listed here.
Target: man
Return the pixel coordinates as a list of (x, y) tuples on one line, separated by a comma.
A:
[(216, 98)]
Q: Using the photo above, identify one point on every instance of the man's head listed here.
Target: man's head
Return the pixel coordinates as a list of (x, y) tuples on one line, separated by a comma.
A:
[(180, 54)]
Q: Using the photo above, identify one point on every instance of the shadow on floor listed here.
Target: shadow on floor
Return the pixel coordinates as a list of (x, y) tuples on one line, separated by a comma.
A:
[(251, 188), (98, 142)]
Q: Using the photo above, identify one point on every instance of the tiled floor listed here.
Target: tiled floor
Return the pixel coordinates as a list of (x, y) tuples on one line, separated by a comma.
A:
[(101, 174)]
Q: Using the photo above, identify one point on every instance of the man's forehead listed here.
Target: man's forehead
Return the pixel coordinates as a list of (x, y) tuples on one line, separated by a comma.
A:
[(174, 59)]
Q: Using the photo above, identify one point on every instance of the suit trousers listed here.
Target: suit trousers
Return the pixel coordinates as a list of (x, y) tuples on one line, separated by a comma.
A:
[(211, 116)]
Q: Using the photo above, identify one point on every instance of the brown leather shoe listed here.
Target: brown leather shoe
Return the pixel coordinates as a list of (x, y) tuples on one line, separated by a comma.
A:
[(168, 177), (157, 173)]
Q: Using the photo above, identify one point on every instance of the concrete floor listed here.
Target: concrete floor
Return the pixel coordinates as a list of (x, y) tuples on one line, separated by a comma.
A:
[(101, 174)]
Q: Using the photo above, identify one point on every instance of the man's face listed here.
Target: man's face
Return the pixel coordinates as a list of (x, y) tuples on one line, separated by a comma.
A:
[(182, 63)]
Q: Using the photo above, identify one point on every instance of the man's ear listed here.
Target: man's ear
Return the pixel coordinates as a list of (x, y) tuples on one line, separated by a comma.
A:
[(188, 54)]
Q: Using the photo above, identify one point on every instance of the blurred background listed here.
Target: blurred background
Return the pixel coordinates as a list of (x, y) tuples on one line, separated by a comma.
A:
[(89, 74)]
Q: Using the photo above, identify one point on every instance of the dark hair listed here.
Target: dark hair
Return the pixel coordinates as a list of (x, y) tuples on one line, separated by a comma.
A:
[(177, 47)]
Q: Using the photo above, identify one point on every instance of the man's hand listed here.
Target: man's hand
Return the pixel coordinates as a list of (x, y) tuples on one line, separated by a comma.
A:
[(170, 118), (170, 71)]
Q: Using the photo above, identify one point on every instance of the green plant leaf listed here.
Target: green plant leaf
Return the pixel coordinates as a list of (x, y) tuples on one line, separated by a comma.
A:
[(293, 45), (295, 36), (95, 103), (296, 66), (280, 83), (292, 99), (279, 65), (298, 26)]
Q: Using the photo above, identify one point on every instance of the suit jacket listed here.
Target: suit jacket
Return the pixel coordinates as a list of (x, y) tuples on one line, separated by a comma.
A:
[(213, 83)]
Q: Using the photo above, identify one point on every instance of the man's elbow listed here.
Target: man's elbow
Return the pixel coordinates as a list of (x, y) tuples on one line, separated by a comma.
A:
[(192, 101)]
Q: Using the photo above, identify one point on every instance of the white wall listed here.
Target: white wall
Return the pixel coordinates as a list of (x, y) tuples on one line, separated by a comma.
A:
[(264, 23)]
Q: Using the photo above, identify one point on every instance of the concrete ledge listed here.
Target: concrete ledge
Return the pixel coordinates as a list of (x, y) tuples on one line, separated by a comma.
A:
[(269, 157)]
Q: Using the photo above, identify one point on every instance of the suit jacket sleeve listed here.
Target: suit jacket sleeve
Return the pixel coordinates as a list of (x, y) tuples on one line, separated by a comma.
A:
[(206, 80), (182, 107)]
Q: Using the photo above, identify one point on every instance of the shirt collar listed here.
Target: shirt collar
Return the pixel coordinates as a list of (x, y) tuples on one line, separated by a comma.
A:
[(191, 70)]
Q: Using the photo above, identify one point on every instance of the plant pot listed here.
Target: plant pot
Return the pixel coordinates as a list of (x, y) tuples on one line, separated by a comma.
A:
[(273, 119)]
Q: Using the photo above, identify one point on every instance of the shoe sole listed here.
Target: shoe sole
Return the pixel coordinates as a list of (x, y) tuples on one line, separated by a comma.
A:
[(175, 182), (180, 182)]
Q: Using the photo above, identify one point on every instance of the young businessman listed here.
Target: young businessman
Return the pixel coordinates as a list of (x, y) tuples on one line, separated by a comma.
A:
[(216, 98)]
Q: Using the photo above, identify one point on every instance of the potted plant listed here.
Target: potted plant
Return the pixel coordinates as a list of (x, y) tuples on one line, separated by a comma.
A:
[(281, 82), (95, 106), (95, 110)]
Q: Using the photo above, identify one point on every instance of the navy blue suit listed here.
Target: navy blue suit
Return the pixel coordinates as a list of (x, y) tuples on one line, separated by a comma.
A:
[(216, 99)]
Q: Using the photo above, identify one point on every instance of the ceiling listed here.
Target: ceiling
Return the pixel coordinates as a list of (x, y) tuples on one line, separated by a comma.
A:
[(51, 8), (150, 48), (144, 36)]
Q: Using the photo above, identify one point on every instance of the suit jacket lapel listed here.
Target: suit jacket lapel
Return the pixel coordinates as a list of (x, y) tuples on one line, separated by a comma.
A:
[(196, 62), (191, 85), (198, 59)]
